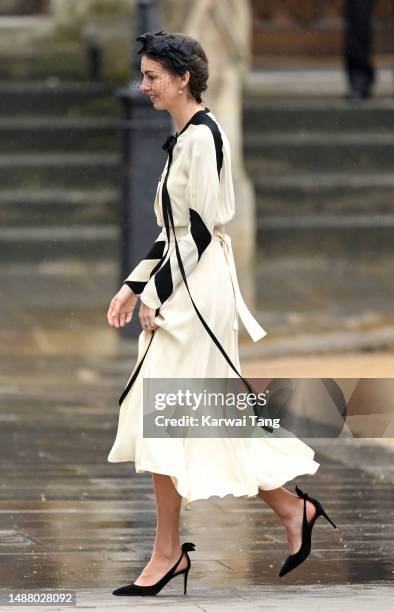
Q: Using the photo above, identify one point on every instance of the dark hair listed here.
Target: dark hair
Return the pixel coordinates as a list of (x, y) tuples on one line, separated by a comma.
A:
[(198, 68)]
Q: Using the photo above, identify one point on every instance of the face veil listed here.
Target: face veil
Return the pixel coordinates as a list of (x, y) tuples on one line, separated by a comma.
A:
[(173, 46)]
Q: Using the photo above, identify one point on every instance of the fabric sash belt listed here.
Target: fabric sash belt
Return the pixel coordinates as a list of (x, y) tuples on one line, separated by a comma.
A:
[(254, 329)]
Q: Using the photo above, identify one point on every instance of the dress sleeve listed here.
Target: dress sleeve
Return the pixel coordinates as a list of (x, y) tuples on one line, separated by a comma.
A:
[(202, 193), (140, 275)]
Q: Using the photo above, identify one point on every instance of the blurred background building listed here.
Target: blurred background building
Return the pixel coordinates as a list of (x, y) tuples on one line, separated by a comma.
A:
[(313, 170)]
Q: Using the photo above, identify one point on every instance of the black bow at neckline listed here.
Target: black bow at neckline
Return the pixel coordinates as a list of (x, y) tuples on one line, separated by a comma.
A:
[(169, 144)]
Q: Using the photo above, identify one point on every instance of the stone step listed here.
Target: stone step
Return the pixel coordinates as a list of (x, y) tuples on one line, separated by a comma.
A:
[(316, 235), (56, 242), (49, 207), (312, 214), (296, 194), (303, 138), (313, 236), (55, 97), (322, 115), (66, 63), (335, 222), (291, 197), (84, 206), (300, 82), (59, 134), (43, 171), (286, 153)]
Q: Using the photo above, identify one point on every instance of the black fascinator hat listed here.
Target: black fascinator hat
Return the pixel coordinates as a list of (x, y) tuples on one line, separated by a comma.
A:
[(174, 46)]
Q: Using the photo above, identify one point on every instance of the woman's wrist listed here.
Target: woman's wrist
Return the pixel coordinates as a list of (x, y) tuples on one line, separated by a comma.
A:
[(125, 284)]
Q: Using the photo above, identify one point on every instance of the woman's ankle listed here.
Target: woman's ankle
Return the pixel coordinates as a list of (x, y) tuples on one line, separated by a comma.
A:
[(166, 552), (290, 511)]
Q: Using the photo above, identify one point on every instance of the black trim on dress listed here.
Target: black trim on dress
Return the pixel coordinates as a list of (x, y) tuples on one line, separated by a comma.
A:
[(202, 239)]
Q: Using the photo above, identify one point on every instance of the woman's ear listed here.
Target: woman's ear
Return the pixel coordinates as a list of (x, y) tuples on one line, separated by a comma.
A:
[(185, 78)]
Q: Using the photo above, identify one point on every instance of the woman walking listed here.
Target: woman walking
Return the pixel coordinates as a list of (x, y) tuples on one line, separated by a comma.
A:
[(190, 302)]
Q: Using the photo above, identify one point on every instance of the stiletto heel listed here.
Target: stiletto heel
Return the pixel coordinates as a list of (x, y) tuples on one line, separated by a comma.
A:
[(185, 581), (153, 589), (297, 558), (323, 513)]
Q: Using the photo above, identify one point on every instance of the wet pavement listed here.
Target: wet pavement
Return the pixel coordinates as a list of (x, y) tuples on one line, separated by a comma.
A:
[(71, 520)]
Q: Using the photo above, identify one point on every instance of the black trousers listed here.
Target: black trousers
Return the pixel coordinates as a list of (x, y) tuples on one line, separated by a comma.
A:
[(358, 43)]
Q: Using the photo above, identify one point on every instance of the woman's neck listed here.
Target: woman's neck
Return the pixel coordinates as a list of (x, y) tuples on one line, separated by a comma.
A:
[(184, 114)]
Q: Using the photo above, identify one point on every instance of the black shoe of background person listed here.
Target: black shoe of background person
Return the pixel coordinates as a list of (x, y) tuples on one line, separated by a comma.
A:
[(360, 87), (357, 94)]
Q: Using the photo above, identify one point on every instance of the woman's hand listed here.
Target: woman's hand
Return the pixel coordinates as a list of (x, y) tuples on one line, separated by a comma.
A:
[(147, 318), (121, 307)]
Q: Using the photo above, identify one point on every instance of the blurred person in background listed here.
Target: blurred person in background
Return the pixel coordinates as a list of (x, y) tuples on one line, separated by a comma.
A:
[(358, 47)]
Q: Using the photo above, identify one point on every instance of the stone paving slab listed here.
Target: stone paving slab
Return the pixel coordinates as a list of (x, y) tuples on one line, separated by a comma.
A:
[(345, 598), (69, 519)]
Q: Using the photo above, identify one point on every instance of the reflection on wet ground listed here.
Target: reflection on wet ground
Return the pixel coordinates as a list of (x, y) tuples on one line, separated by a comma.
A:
[(69, 519), (315, 294)]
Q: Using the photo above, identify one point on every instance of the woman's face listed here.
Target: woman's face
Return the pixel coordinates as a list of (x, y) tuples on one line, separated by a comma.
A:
[(161, 86)]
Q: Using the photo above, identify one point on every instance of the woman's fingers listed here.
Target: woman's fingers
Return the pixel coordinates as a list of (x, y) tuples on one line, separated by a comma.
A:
[(117, 316), (142, 319), (113, 311), (121, 320), (152, 320), (111, 308), (147, 318)]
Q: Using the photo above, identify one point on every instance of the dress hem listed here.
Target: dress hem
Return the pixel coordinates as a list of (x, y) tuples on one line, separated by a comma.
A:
[(313, 467)]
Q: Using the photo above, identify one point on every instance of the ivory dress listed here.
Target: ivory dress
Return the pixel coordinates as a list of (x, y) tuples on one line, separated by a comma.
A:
[(196, 184)]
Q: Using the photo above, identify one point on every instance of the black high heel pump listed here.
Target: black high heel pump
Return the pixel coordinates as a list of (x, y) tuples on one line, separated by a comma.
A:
[(153, 589), (294, 560)]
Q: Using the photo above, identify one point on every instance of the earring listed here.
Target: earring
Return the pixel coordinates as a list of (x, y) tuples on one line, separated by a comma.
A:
[(181, 91)]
